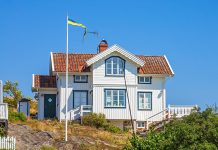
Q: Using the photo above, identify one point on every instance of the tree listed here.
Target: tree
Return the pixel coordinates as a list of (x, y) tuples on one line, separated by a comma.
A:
[(198, 131), (11, 89)]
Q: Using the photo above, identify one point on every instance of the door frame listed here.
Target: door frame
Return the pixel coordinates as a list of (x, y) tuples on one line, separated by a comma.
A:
[(27, 110), (81, 91), (55, 106)]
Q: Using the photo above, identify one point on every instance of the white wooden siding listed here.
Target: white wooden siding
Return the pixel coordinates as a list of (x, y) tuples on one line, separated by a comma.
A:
[(158, 98), (100, 78), (72, 86)]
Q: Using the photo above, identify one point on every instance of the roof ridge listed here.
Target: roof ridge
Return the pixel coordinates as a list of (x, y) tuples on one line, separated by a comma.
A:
[(43, 75), (75, 53), (150, 55)]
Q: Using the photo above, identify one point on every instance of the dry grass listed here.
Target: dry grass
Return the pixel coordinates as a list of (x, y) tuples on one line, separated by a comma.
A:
[(78, 130), (75, 129), (33, 107)]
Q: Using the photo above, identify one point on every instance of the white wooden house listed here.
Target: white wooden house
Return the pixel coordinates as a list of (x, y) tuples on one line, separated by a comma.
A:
[(103, 83)]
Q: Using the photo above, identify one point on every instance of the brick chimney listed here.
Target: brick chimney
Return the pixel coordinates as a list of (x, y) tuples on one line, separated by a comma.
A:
[(102, 46)]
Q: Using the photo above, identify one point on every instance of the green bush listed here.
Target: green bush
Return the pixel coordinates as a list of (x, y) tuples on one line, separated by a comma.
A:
[(99, 121), (112, 128), (94, 120), (198, 131), (47, 148), (3, 131), (17, 116)]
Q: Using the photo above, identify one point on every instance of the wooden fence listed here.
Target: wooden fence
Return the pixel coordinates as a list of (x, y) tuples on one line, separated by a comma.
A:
[(8, 143)]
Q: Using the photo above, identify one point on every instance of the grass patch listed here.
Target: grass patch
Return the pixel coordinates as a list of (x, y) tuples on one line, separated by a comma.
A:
[(47, 148)]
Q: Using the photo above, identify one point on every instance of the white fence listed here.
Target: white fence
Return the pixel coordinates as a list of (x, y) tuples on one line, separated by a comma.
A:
[(180, 110), (80, 111), (8, 143), (177, 111), (4, 111)]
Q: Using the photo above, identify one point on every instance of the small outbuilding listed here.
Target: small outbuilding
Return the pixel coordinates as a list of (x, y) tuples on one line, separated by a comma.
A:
[(24, 106)]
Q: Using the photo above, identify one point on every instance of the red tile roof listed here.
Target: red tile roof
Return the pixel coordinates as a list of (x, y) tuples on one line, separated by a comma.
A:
[(44, 81), (155, 65), (77, 63)]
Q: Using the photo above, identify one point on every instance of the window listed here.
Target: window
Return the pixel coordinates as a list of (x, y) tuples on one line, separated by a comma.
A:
[(115, 98), (144, 100), (140, 124), (80, 79), (114, 66), (144, 80)]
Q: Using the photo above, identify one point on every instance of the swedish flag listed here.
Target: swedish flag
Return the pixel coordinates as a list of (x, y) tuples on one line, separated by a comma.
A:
[(74, 23)]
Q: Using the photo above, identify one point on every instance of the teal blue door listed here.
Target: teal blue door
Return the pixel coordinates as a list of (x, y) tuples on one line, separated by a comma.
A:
[(49, 106)]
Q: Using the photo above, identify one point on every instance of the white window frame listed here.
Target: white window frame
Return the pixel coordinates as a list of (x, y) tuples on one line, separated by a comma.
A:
[(140, 124), (117, 66), (144, 80), (145, 102), (81, 80), (109, 98)]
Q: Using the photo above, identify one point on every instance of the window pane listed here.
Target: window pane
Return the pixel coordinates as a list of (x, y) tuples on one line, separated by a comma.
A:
[(115, 60), (77, 78), (147, 79), (141, 79), (122, 92), (115, 71), (83, 78), (148, 100), (108, 98), (115, 102), (121, 103), (109, 66), (108, 71), (141, 100)]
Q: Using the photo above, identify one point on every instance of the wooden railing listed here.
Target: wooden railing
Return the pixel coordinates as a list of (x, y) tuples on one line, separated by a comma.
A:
[(177, 111), (85, 109), (80, 111), (75, 113), (3, 111)]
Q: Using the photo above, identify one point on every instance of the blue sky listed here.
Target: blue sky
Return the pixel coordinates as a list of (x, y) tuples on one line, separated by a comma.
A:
[(186, 31)]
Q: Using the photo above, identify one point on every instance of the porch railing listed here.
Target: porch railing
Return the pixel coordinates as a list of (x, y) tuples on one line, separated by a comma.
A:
[(80, 111), (180, 110), (177, 111), (85, 109)]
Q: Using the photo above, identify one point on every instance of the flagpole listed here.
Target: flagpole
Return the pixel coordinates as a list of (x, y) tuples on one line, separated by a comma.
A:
[(66, 87)]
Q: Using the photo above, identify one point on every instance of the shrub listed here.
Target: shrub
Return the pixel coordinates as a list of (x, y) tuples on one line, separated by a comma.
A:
[(94, 120), (17, 116), (99, 121), (47, 148), (3, 130), (196, 131), (112, 128)]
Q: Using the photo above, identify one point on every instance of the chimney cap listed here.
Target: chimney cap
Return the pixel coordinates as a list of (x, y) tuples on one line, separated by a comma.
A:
[(102, 46), (103, 41)]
